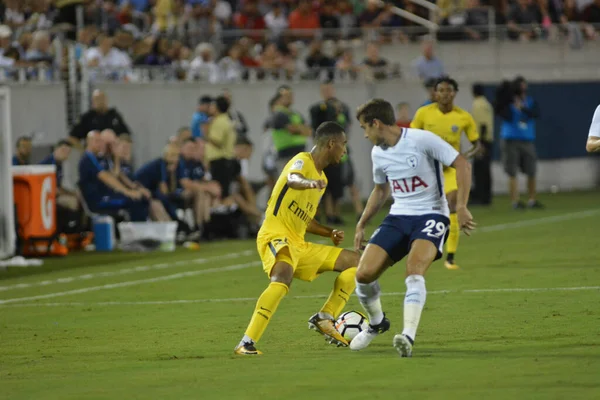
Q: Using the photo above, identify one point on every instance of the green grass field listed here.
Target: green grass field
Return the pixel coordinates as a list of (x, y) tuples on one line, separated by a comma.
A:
[(521, 320)]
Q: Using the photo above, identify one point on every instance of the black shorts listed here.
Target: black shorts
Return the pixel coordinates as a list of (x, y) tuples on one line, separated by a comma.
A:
[(335, 181), (397, 232), (221, 171), (519, 155)]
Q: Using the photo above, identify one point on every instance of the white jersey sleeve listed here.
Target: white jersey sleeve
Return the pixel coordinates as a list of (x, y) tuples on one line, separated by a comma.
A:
[(595, 125), (436, 148), (379, 176)]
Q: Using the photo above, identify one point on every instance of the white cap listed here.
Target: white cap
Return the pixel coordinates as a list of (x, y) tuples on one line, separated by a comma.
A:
[(5, 31)]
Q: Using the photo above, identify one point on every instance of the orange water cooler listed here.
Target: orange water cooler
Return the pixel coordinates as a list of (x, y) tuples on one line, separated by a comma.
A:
[(34, 190)]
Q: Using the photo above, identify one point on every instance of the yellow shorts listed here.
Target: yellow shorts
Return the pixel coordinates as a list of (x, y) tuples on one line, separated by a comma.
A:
[(309, 260), (450, 184)]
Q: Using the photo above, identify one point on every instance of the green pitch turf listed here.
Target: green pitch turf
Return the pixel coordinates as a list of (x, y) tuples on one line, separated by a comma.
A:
[(519, 320)]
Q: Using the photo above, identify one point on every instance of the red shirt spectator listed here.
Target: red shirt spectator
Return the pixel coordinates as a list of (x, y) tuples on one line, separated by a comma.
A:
[(250, 18), (304, 18)]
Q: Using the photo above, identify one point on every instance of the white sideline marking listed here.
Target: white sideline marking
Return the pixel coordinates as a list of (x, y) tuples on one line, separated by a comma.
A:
[(126, 271), (490, 228), (316, 296), (133, 283)]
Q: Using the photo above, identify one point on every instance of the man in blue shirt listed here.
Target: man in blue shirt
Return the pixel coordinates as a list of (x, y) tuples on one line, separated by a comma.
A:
[(518, 111), (22, 151), (200, 118), (154, 177), (101, 189), (65, 198)]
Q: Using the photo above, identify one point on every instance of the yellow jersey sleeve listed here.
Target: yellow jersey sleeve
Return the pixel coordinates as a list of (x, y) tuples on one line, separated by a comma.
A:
[(418, 121), (471, 128)]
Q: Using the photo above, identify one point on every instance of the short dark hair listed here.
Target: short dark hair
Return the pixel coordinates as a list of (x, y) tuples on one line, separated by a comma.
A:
[(63, 142), (205, 100), (222, 104), (326, 131), (22, 139), (283, 87), (430, 83), (376, 109), (449, 81), (243, 141), (478, 89)]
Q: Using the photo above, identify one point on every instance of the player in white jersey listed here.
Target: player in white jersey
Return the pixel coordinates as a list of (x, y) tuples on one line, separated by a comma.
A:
[(593, 142), (407, 162)]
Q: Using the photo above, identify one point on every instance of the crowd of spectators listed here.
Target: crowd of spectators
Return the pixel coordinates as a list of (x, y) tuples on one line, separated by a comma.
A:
[(218, 40)]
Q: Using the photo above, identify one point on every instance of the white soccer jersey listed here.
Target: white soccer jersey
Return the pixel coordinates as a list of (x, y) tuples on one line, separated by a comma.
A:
[(595, 125), (413, 168)]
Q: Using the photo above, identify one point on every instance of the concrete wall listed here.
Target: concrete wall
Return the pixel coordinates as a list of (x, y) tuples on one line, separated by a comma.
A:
[(155, 111)]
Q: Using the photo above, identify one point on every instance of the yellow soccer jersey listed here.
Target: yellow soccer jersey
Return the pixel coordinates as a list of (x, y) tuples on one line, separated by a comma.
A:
[(289, 211), (448, 126)]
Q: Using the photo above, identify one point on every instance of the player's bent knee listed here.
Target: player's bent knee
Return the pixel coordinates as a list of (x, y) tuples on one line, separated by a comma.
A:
[(282, 272), (346, 259), (364, 275)]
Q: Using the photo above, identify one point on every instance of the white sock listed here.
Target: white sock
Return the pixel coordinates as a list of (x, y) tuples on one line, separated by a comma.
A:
[(246, 339), (414, 301), (324, 315), (368, 295)]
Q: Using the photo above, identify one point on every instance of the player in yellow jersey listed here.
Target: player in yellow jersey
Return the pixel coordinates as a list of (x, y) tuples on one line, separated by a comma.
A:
[(282, 248), (449, 122)]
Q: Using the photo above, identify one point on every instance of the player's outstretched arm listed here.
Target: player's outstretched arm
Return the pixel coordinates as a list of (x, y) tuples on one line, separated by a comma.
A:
[(378, 196), (299, 182), (463, 180), (316, 228)]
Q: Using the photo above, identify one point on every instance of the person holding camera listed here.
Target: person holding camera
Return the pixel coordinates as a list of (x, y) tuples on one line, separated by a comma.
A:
[(518, 112)]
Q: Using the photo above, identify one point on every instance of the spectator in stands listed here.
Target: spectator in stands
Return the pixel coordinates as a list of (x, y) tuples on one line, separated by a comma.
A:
[(5, 38), (348, 20), (40, 49), (109, 137), (304, 20), (276, 21), (67, 14), (518, 111), (64, 198), (102, 191), (288, 128), (476, 21), (22, 151), (375, 65), (107, 57), (238, 119), (220, 142), (317, 62), (222, 11), (483, 114), (200, 118), (14, 17), (158, 55), (271, 60), (345, 65), (99, 118), (203, 66), (230, 67), (249, 18), (428, 66), (403, 118), (524, 20), (200, 25), (329, 20)]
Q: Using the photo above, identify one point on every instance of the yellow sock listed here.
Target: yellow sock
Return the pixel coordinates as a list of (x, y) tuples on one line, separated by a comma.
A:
[(265, 308), (342, 289), (452, 243)]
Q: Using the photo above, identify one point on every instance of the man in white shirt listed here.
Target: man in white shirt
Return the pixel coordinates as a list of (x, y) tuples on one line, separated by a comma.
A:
[(407, 162), (593, 142)]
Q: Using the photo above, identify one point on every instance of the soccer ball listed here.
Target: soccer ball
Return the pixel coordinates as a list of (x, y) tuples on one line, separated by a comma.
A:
[(351, 323)]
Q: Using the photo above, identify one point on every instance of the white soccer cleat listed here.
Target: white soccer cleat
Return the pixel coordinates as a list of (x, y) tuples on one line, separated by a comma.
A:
[(364, 338), (403, 344)]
